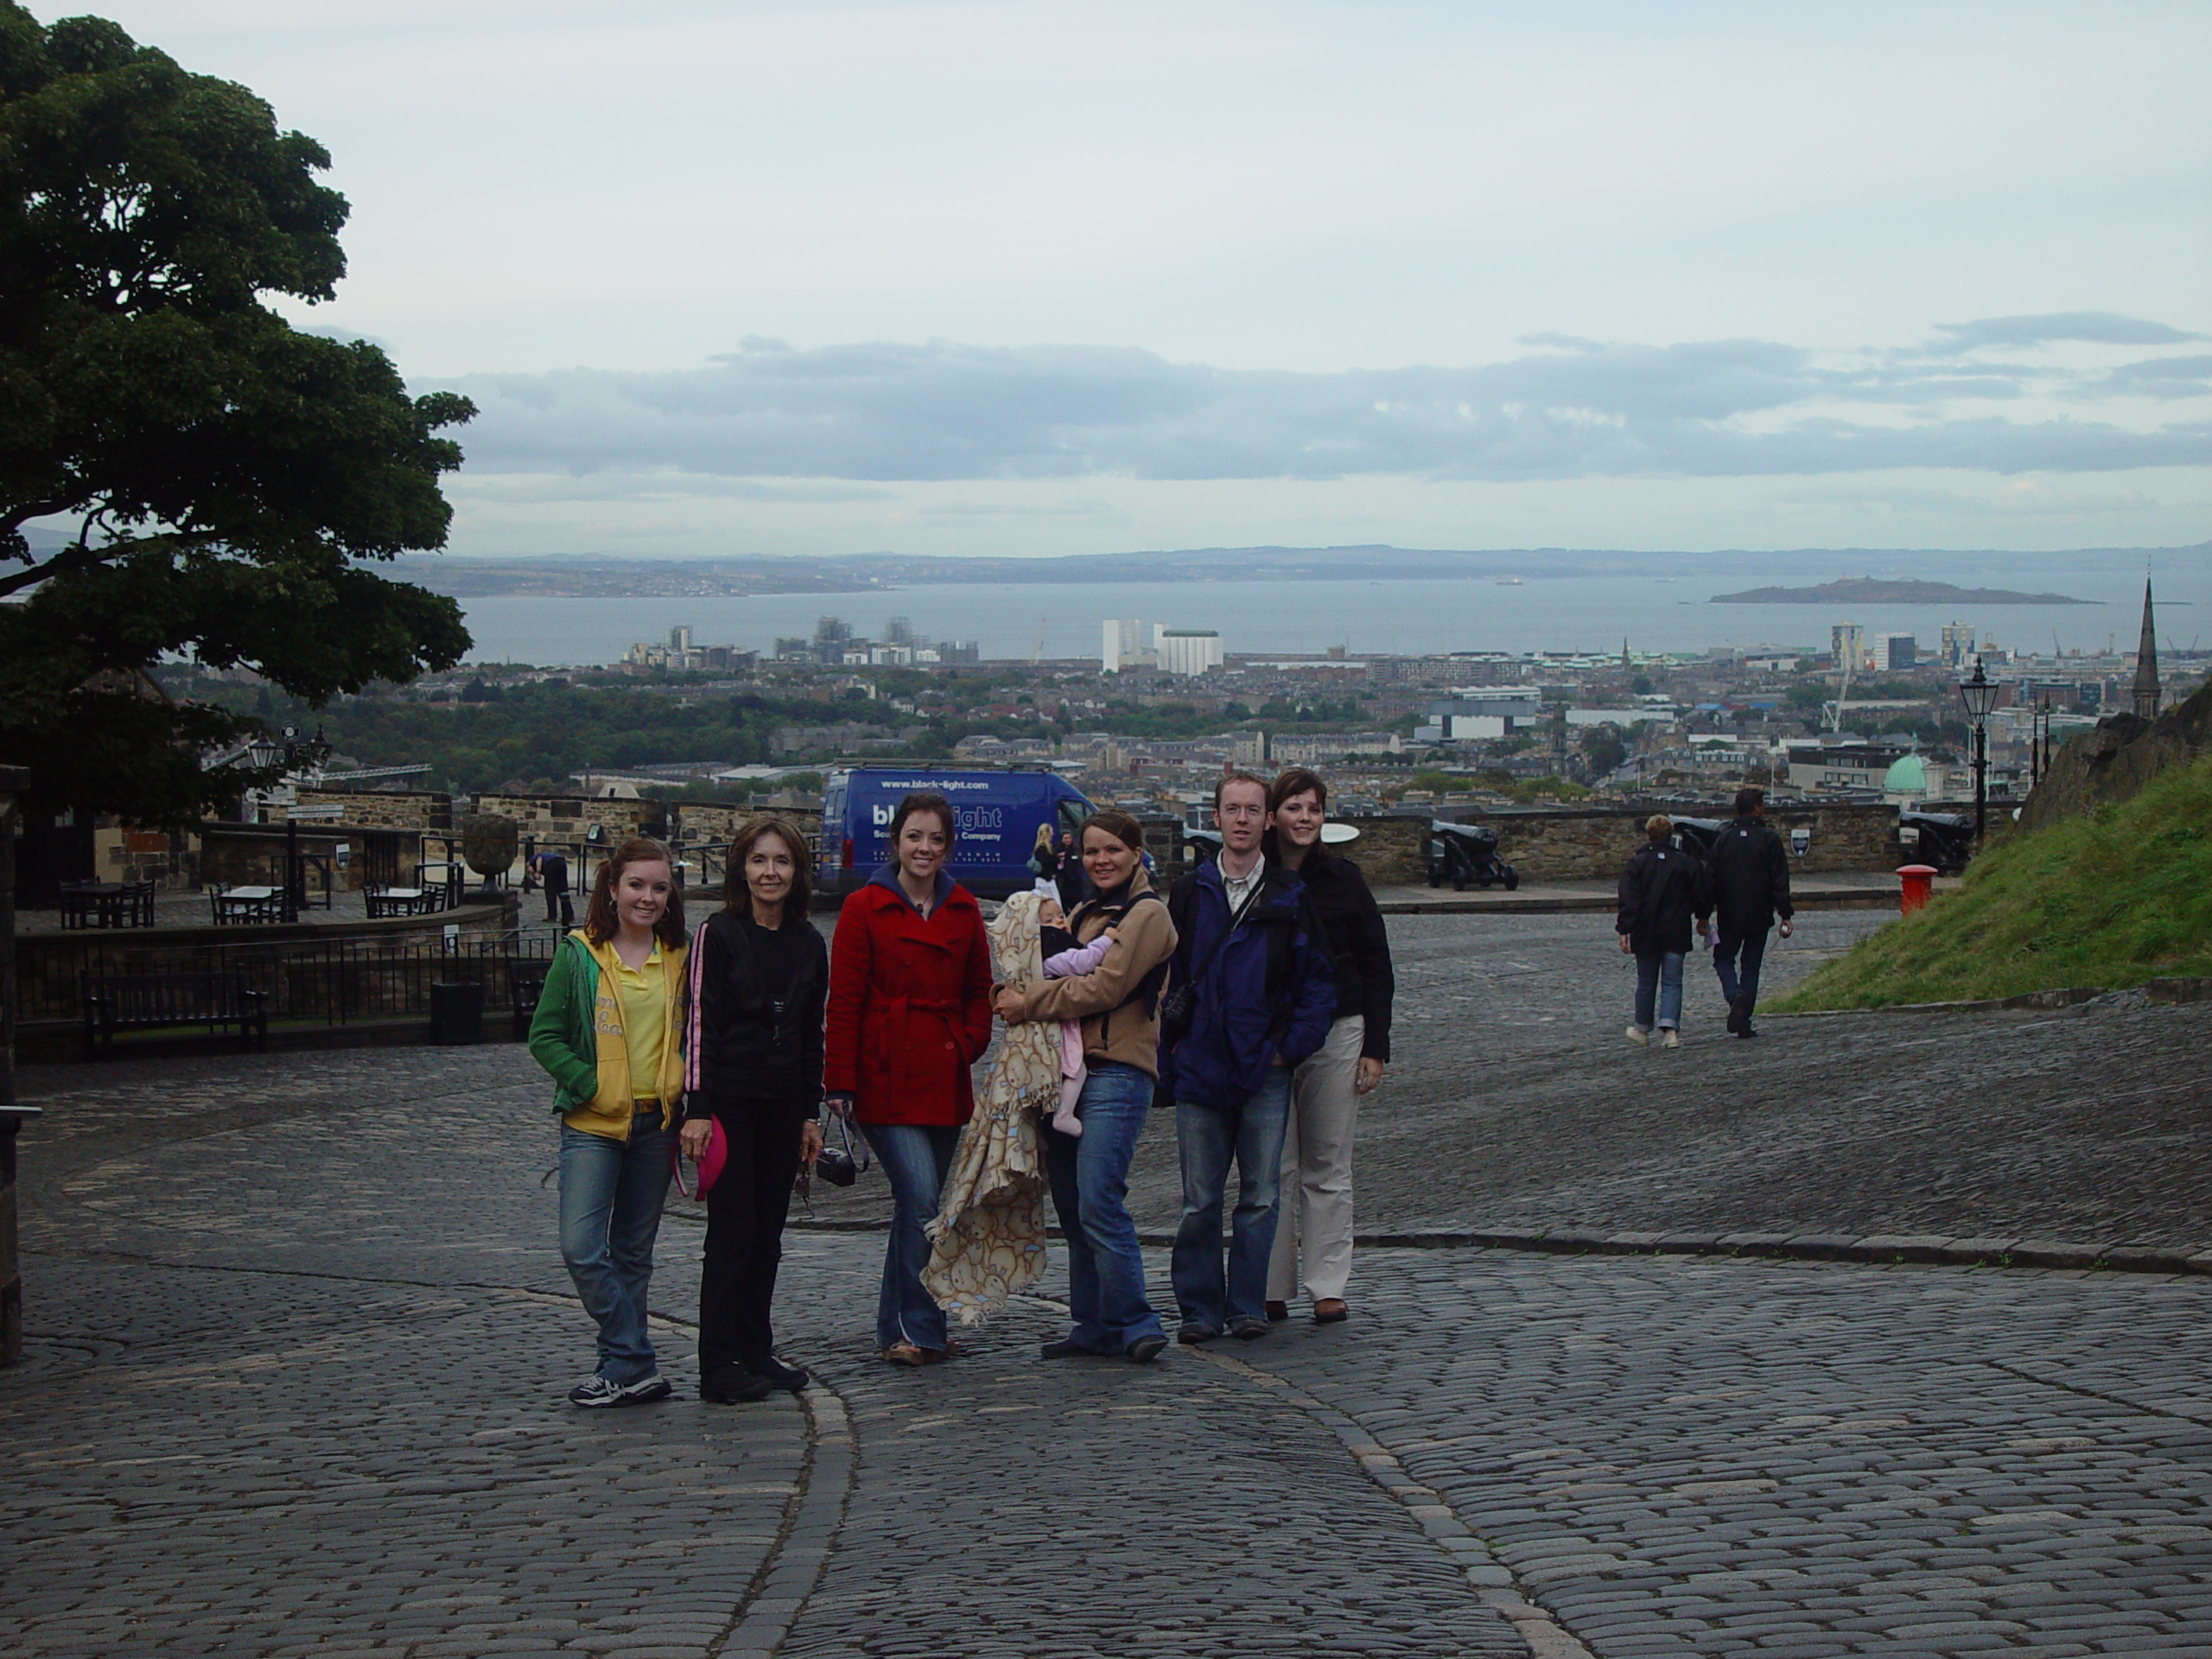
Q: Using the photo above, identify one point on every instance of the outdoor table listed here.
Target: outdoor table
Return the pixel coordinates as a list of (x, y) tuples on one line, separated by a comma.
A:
[(400, 901), (248, 904), (92, 904)]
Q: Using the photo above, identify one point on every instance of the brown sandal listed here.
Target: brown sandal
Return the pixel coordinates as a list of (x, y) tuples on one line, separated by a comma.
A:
[(1331, 1310), (906, 1353)]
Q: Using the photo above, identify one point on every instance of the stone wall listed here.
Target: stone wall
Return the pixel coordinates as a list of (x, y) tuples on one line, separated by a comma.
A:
[(570, 818), (252, 854), (385, 809), (121, 853), (1590, 844)]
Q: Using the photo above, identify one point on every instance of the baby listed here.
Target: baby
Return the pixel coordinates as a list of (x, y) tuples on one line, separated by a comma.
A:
[(1066, 959)]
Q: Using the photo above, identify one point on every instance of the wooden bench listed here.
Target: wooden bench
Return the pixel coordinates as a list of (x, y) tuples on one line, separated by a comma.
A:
[(115, 1002)]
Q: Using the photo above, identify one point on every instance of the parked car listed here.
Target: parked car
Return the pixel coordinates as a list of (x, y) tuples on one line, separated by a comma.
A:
[(1461, 852), (999, 812)]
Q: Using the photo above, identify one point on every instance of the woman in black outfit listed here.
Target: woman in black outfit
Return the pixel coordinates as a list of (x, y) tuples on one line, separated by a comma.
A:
[(759, 975)]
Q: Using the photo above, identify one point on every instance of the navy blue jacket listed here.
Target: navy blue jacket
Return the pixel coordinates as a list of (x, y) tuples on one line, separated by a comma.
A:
[(1269, 990), (1659, 890)]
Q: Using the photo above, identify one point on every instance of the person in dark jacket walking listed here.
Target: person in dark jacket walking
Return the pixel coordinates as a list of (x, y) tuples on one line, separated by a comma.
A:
[(1263, 993), (760, 973), (1313, 1232), (1747, 887), (909, 1014), (550, 866), (1658, 897)]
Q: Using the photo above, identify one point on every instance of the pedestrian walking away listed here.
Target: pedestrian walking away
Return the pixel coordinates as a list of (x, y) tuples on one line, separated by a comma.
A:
[(1658, 897), (1117, 1004), (759, 978), (1252, 996), (609, 1030), (909, 1013), (1044, 862), (1313, 1232), (551, 868), (1746, 887)]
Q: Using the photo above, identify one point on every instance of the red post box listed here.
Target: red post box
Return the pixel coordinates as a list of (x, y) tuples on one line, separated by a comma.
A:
[(1915, 883)]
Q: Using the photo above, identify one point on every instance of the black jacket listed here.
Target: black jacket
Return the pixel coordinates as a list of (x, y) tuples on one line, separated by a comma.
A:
[(1658, 895), (739, 1047), (1746, 879), (1356, 944)]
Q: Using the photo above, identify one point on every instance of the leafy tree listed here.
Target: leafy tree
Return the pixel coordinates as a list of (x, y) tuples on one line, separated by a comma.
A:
[(225, 475), (1641, 685), (1604, 747)]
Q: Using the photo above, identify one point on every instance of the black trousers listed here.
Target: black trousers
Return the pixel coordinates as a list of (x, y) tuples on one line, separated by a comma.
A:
[(558, 909), (746, 1210)]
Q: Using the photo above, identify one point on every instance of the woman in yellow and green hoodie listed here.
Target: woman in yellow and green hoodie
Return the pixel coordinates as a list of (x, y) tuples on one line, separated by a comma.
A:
[(609, 1028)]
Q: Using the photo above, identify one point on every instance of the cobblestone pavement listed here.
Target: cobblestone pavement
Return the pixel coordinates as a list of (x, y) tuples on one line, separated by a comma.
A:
[(299, 1336)]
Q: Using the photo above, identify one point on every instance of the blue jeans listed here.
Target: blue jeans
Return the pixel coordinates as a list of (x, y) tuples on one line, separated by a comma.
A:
[(1749, 949), (1659, 977), (611, 1193), (1091, 1190), (1207, 1137), (916, 1158)]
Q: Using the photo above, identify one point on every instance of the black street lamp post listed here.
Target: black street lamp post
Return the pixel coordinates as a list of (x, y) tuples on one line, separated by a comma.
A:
[(1980, 695)]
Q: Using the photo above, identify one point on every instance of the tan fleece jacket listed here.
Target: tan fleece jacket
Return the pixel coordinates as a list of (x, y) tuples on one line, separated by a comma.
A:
[(1144, 937)]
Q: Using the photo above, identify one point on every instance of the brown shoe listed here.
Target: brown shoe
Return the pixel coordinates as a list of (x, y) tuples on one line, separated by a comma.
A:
[(1331, 1310), (1277, 1311), (906, 1353)]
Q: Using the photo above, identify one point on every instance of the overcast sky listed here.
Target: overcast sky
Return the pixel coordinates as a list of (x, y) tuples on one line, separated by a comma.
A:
[(1042, 278)]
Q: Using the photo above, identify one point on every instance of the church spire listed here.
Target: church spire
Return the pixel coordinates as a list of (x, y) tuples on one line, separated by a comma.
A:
[(2146, 663)]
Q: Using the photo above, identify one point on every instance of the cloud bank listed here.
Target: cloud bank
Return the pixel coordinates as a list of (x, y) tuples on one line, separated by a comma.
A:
[(1571, 408)]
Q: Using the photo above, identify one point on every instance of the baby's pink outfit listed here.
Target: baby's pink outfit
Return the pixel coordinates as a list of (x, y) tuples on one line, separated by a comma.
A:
[(1069, 964)]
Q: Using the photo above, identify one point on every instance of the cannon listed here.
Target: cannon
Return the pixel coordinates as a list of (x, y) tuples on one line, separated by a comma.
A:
[(1943, 839), (1467, 852)]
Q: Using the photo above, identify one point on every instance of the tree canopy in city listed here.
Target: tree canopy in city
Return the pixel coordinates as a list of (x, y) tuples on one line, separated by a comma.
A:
[(226, 479)]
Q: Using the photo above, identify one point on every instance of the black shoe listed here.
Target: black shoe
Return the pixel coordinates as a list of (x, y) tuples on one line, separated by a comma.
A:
[(1193, 1331), (1065, 1348), (1277, 1311), (776, 1374), (1145, 1350), (1247, 1330), (733, 1385), (1738, 1012), (1746, 1031)]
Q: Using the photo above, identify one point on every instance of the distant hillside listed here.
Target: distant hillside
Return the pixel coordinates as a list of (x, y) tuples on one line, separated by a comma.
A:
[(1872, 590), (610, 576)]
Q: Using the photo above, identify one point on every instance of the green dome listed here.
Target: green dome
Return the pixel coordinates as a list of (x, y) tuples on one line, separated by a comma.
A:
[(1906, 775)]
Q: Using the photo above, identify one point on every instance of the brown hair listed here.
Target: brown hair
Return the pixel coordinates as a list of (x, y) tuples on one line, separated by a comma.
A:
[(1118, 825), (737, 896), (1749, 800), (924, 800), (1296, 781), (1658, 827), (1229, 778), (600, 923)]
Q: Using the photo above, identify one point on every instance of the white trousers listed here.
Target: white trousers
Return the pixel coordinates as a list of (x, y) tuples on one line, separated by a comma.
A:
[(1313, 1226)]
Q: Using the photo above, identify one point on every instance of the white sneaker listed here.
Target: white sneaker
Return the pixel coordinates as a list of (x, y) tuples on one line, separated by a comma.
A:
[(1668, 1040), (1637, 1035)]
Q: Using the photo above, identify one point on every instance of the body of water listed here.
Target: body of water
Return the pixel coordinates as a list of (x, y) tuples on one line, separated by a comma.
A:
[(1558, 614)]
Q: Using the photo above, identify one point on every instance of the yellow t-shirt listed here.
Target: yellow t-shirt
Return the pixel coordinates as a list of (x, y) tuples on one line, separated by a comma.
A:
[(643, 993)]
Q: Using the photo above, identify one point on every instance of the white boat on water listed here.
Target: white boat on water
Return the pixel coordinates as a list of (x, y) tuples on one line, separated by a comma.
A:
[(1510, 581)]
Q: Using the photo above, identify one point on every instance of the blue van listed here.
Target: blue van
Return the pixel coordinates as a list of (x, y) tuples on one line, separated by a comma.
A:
[(999, 813)]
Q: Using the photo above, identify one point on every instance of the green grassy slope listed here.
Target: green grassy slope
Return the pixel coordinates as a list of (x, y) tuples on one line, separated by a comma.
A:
[(2110, 900)]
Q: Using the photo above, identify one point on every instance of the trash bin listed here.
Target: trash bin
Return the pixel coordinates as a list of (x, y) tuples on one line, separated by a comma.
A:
[(456, 1014), (1915, 883)]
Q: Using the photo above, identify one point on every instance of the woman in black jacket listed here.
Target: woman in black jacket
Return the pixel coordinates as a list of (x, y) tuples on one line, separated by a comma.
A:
[(759, 975), (1313, 1233), (1658, 892)]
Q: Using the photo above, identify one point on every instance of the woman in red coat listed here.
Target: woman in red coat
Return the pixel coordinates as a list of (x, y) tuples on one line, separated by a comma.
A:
[(909, 1012)]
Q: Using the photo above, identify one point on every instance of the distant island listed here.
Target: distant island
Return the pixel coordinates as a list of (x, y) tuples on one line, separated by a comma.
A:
[(1871, 590)]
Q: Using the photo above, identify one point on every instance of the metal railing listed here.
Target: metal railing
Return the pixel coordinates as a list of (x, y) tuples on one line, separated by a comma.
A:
[(319, 982)]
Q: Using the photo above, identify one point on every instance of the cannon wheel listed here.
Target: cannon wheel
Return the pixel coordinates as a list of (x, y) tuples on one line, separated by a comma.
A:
[(1512, 878), (1435, 875)]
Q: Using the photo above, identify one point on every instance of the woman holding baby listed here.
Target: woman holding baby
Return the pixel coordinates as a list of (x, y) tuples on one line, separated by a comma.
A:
[(1115, 1003)]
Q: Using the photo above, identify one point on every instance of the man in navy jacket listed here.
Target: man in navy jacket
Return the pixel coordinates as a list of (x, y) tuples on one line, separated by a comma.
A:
[(1265, 992)]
